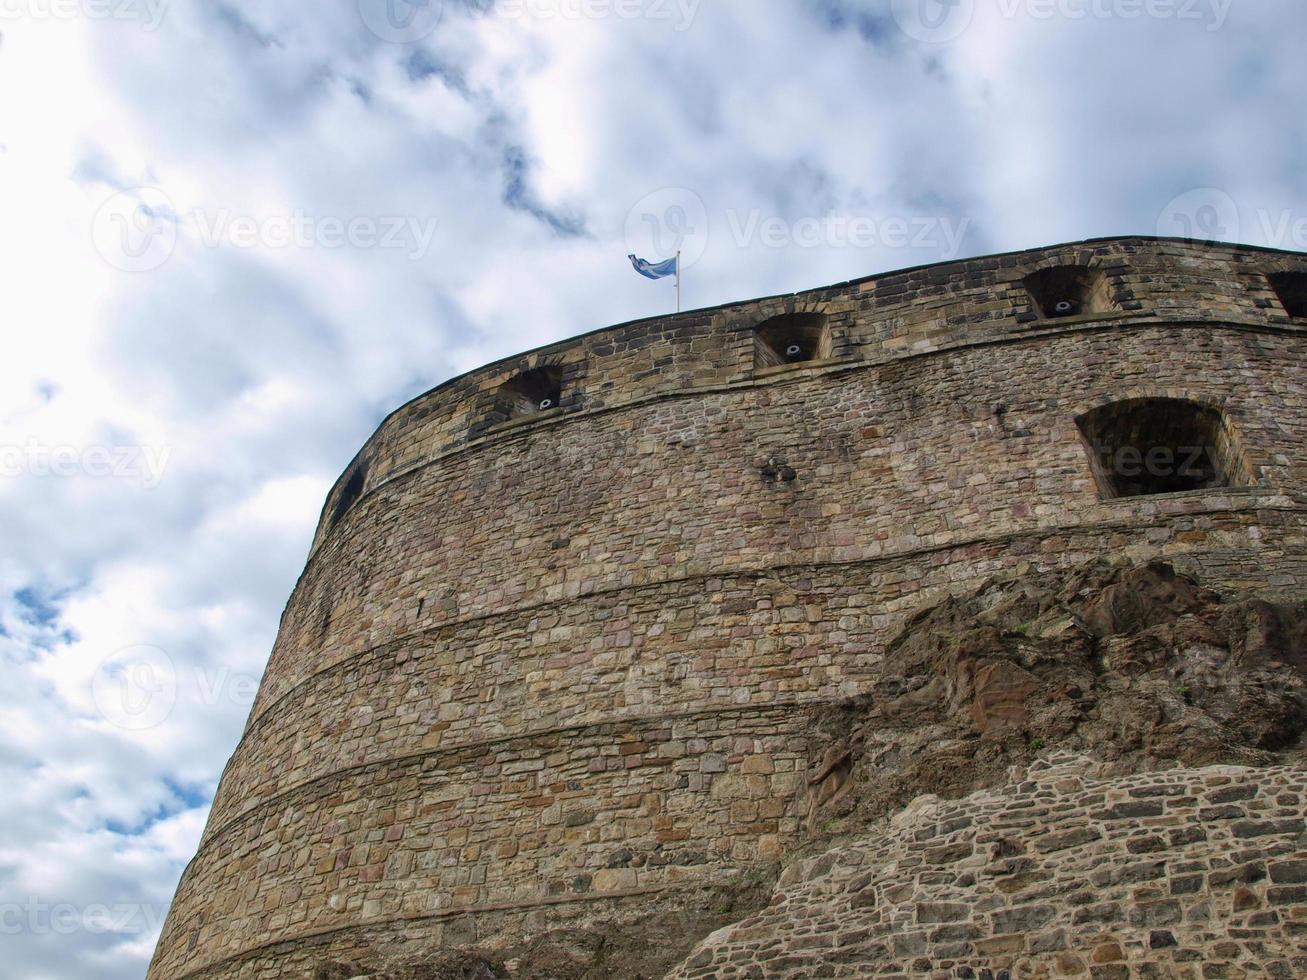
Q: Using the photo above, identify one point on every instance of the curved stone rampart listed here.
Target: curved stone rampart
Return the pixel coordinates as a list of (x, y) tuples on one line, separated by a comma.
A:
[(564, 657)]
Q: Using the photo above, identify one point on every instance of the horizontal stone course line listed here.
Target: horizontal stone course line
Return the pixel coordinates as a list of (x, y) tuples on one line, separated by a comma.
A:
[(542, 902), (1252, 499), (500, 437), (777, 708), (379, 657), (633, 722)]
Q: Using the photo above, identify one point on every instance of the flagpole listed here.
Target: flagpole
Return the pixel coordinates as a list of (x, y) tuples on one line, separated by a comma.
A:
[(678, 280)]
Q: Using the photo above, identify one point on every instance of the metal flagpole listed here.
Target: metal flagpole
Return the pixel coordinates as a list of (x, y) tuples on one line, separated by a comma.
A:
[(678, 280)]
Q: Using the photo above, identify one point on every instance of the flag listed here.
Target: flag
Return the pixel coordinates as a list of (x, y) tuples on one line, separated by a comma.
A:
[(651, 270)]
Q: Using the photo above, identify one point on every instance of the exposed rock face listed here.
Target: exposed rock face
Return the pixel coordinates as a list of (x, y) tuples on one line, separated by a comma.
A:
[(1117, 867), (1137, 667)]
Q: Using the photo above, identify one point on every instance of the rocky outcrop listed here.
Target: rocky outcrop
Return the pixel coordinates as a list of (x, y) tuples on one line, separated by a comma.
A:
[(1138, 667), (1115, 859)]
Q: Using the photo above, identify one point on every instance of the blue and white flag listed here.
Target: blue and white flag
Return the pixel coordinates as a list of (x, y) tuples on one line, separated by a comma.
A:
[(651, 270)]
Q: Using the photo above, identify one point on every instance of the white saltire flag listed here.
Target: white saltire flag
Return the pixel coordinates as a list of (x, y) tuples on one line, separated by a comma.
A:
[(661, 270), (651, 270)]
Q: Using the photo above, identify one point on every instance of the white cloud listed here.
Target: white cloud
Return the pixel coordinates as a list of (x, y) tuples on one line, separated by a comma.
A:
[(253, 374)]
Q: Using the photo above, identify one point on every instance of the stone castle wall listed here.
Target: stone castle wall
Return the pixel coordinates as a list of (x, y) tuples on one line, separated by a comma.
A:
[(563, 661), (1187, 873)]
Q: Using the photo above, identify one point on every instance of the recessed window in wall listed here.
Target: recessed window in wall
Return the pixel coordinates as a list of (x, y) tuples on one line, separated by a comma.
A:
[(1291, 288), (1068, 290), (532, 392), (1148, 446), (791, 339), (350, 493)]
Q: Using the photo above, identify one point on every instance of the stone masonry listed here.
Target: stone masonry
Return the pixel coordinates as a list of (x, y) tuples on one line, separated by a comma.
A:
[(1184, 873), (565, 617)]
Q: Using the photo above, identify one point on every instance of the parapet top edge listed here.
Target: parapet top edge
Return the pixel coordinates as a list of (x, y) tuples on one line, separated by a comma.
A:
[(504, 362)]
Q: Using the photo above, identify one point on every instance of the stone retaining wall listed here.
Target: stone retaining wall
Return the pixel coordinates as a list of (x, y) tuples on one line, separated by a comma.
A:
[(1183, 873)]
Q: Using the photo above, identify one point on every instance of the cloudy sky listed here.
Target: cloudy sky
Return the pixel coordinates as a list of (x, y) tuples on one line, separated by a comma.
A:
[(234, 235)]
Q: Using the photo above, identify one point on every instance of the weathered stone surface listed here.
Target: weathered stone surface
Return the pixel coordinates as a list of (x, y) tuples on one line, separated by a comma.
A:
[(659, 619), (1040, 929), (1133, 665)]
